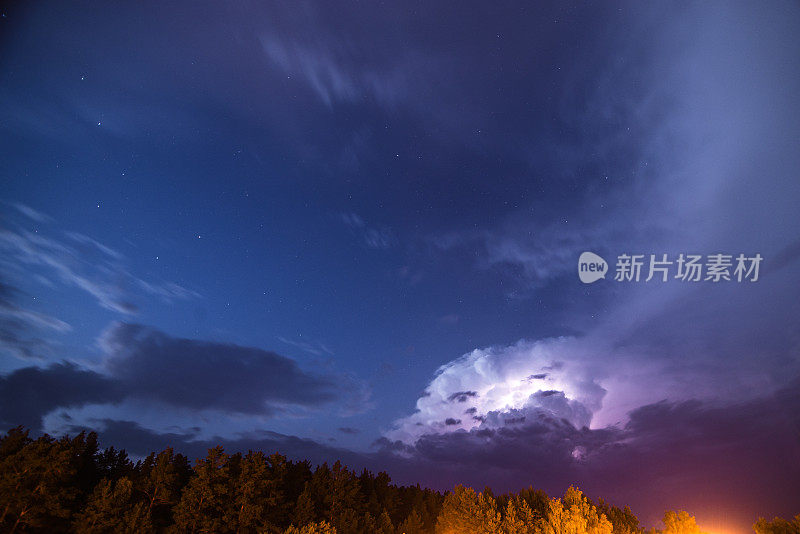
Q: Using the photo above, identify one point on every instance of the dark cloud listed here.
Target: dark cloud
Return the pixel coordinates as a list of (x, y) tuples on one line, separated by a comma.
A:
[(451, 422), (783, 258), (144, 364), (206, 375), (140, 441), (27, 394), (688, 454), (349, 430), (462, 396)]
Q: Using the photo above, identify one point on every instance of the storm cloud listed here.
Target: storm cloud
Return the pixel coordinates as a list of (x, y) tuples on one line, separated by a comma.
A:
[(497, 379), (668, 455)]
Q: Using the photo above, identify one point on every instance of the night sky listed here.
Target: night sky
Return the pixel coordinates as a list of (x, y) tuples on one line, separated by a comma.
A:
[(351, 230)]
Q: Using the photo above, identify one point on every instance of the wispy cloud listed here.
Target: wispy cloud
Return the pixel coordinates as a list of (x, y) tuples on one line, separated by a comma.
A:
[(10, 310), (374, 237), (32, 213), (77, 260), (23, 332), (33, 250), (313, 347), (327, 65)]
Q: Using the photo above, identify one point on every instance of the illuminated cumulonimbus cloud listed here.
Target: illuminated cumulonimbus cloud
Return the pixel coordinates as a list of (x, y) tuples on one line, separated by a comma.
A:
[(499, 386)]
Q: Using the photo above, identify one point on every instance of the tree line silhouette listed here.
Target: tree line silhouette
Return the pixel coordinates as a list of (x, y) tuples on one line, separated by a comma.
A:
[(71, 485)]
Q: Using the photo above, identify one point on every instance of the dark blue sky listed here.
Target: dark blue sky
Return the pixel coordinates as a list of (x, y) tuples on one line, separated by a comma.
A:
[(352, 223)]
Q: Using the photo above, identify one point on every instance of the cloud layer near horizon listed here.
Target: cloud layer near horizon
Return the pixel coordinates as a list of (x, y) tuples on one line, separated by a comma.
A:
[(145, 365), (669, 455)]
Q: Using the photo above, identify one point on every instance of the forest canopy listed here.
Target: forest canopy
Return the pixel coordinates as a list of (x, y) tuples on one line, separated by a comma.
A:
[(72, 485)]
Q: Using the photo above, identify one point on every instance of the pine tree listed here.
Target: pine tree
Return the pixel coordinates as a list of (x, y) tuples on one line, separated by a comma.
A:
[(349, 521), (113, 508), (114, 464), (384, 524), (206, 501), (574, 515), (537, 500), (38, 486), (778, 526), (282, 477), (255, 495), (519, 518), (161, 479), (83, 450), (367, 524), (305, 511), (342, 494), (322, 527), (465, 511), (412, 525), (623, 519)]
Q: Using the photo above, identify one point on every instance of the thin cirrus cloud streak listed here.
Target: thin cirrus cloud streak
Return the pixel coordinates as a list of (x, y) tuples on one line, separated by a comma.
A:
[(314, 348), (329, 76), (380, 238), (34, 250), (11, 311), (23, 332), (72, 265)]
